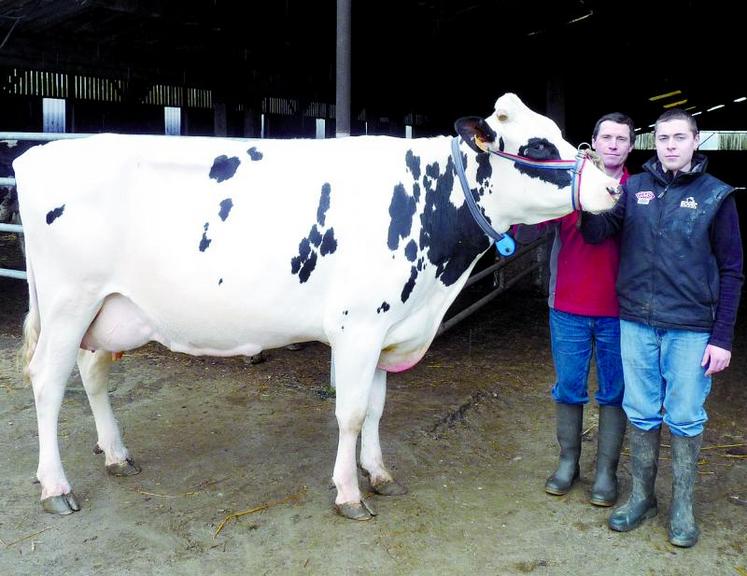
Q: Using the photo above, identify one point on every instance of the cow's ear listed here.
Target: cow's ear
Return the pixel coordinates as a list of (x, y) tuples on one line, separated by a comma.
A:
[(475, 132)]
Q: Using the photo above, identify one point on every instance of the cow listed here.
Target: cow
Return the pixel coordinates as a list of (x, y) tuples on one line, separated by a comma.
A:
[(221, 247)]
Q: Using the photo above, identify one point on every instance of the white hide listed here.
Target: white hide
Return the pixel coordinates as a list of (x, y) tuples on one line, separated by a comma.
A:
[(120, 262)]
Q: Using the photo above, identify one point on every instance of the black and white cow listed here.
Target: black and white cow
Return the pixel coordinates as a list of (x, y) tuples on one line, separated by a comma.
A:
[(226, 247)]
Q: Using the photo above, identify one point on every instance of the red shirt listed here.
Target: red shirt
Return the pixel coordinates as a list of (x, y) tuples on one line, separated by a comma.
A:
[(583, 276)]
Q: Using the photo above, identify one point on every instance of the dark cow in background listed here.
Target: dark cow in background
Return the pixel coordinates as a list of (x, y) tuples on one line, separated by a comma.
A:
[(226, 247)]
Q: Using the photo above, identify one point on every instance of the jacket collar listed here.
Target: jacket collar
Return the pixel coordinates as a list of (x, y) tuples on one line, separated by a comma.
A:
[(697, 168)]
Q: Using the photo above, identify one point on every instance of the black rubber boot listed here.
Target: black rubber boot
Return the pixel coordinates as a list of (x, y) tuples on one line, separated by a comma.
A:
[(569, 418), (612, 422), (683, 531), (641, 504)]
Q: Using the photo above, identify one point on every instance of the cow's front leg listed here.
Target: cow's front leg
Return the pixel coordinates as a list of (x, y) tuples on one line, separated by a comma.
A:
[(354, 369), (372, 460), (94, 372)]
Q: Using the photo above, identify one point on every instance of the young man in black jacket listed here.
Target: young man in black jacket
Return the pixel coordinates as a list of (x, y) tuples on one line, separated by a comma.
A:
[(678, 287)]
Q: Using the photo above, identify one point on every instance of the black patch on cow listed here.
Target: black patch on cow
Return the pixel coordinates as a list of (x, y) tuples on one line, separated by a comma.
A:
[(411, 251), (383, 308), (484, 171), (329, 244), (314, 236), (543, 149), (304, 249), (449, 236), (224, 168), (320, 242), (413, 163), (401, 211), (254, 154), (420, 264), (220, 281), (501, 144), (52, 215), (295, 264), (345, 312), (321, 212), (410, 284), (205, 241), (307, 267), (225, 208)]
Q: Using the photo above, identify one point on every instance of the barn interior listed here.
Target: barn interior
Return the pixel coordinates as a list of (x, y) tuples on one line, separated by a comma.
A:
[(268, 69), (421, 63)]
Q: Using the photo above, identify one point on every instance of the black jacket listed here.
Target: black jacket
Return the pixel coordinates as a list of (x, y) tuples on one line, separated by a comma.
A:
[(670, 275)]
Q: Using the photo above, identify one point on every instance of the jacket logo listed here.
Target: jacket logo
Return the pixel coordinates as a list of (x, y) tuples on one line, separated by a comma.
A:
[(689, 203), (644, 197)]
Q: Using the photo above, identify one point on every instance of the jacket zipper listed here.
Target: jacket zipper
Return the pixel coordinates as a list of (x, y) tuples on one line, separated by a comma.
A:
[(655, 255)]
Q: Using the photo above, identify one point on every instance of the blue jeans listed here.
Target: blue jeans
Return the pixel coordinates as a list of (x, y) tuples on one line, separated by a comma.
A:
[(574, 338), (663, 374)]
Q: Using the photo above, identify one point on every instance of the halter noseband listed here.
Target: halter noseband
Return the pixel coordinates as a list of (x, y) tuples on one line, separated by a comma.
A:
[(504, 243)]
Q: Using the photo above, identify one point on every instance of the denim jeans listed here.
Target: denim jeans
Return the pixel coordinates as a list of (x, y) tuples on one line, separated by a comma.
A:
[(664, 380), (574, 338)]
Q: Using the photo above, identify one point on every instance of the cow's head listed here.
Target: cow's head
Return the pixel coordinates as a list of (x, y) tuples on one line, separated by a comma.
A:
[(516, 192)]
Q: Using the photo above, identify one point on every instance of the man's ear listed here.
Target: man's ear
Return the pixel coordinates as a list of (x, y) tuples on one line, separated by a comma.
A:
[(475, 132)]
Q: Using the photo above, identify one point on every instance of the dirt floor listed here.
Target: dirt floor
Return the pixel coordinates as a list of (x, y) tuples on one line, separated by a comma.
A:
[(470, 431)]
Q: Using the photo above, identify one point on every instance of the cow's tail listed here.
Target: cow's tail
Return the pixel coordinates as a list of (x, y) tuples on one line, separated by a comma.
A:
[(31, 327)]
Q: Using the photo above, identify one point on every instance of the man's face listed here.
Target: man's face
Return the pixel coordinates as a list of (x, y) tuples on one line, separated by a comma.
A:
[(613, 144), (675, 145)]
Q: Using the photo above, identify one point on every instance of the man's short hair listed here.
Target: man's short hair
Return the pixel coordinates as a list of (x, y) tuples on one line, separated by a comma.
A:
[(678, 114), (617, 118)]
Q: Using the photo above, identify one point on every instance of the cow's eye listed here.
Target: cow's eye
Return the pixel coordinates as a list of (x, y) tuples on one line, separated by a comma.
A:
[(539, 149)]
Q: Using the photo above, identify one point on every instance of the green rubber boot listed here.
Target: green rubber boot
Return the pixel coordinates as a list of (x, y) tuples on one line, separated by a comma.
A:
[(569, 418), (641, 504), (683, 531), (612, 423)]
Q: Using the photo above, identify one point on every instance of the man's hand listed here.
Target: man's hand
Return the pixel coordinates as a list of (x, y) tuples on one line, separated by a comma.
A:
[(716, 358)]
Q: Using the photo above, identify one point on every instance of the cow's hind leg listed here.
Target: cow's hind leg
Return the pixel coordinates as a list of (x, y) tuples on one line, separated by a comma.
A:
[(94, 372), (49, 369), (372, 460), (354, 373)]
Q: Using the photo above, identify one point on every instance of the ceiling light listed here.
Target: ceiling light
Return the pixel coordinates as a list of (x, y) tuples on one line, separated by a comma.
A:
[(662, 96), (584, 17), (695, 113), (716, 107), (742, 99), (673, 104)]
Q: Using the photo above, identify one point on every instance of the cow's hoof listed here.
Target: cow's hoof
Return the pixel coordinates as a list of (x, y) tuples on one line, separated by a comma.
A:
[(360, 511), (389, 488), (62, 505), (257, 358), (126, 468)]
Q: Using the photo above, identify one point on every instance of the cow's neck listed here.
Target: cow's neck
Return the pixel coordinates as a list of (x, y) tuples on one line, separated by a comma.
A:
[(451, 237)]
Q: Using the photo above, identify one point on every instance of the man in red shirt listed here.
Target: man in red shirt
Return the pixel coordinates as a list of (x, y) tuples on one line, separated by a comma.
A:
[(584, 322)]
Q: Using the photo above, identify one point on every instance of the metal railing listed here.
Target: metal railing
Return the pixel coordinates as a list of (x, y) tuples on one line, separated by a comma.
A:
[(500, 283)]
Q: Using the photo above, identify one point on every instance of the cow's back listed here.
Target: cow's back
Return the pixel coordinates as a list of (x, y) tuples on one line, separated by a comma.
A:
[(222, 232)]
